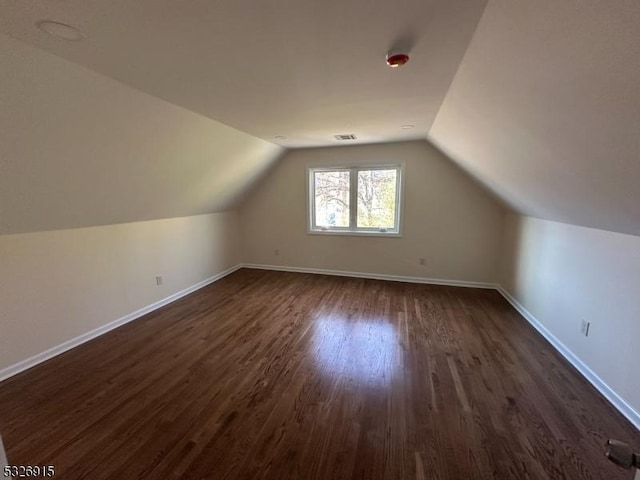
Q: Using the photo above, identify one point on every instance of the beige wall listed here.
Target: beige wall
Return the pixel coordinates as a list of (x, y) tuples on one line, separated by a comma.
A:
[(57, 285), (563, 274), (448, 219), (79, 149)]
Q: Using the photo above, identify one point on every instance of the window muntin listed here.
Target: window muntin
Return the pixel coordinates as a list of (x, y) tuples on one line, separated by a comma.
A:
[(355, 200)]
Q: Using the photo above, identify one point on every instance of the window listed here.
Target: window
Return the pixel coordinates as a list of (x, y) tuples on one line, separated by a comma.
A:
[(360, 200)]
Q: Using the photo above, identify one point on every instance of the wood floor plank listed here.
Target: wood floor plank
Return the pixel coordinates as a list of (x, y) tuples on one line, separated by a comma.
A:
[(273, 375)]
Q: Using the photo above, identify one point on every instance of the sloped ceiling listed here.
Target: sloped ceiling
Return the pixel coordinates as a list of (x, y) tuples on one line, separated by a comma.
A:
[(79, 149), (545, 110), (303, 69)]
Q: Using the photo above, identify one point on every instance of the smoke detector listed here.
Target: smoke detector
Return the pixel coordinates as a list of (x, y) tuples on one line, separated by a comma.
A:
[(395, 60)]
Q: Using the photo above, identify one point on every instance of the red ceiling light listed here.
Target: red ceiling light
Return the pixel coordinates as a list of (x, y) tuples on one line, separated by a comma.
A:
[(395, 60)]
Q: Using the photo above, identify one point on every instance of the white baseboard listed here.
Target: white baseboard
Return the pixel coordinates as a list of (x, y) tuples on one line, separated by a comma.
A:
[(85, 337), (623, 407), (373, 276)]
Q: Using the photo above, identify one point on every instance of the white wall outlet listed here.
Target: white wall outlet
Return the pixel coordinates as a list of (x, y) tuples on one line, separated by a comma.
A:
[(584, 329), (422, 261), (159, 280)]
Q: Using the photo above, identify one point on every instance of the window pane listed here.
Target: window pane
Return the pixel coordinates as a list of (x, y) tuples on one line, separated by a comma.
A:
[(377, 198), (332, 198)]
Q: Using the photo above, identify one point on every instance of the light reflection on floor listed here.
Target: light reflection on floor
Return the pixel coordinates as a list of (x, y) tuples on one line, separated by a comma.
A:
[(365, 351)]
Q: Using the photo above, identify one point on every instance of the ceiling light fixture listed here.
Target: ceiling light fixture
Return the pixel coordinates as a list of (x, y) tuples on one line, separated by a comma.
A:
[(395, 60), (61, 30), (407, 127)]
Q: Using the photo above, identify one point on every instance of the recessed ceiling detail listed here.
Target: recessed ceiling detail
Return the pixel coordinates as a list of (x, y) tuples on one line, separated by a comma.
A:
[(61, 30)]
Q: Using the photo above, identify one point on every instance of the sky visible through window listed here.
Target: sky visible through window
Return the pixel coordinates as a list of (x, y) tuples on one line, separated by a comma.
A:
[(332, 198), (375, 198)]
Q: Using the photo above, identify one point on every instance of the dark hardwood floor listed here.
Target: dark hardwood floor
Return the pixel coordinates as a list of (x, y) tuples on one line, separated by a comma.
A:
[(271, 375)]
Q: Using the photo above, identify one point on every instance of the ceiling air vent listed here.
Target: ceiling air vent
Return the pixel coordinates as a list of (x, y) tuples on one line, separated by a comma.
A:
[(345, 136)]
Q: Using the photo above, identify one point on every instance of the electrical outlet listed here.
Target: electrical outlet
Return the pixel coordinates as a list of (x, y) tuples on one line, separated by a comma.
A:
[(422, 261), (159, 280), (585, 328), (276, 252)]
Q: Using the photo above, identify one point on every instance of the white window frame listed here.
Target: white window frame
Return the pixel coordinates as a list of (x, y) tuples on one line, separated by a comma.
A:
[(352, 229)]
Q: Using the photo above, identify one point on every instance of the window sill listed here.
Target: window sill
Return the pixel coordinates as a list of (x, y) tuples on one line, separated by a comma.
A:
[(354, 233)]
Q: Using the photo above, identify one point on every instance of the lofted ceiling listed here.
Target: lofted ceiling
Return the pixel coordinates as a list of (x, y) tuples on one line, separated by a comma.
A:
[(545, 110), (78, 149), (302, 69), (538, 100)]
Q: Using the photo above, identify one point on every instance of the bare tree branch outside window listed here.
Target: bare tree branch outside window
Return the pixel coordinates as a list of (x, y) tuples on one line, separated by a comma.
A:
[(332, 198), (375, 198)]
